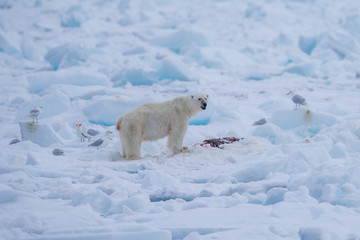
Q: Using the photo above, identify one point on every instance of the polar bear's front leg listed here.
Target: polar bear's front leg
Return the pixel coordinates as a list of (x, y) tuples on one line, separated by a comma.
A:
[(175, 140)]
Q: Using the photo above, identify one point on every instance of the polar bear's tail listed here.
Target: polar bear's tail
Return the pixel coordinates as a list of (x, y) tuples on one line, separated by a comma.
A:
[(118, 124)]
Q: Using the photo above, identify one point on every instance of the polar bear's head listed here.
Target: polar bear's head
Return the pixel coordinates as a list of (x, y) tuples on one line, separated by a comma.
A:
[(199, 101)]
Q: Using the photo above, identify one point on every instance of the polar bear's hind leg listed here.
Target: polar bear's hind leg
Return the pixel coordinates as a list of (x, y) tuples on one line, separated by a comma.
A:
[(133, 152), (133, 141), (175, 139), (123, 146)]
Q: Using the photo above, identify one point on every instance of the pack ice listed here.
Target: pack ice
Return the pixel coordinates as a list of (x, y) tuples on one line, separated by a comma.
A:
[(295, 174)]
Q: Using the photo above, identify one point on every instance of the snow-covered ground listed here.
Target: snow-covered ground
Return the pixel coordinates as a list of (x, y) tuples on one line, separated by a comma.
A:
[(295, 177)]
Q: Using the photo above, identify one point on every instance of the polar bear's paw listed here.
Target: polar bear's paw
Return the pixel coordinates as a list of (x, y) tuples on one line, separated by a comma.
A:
[(185, 150)]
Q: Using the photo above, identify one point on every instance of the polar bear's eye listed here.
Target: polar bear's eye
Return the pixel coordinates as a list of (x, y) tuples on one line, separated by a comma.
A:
[(199, 99)]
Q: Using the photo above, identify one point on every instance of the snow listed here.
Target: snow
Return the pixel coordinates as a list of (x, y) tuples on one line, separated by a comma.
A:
[(66, 56), (40, 81), (293, 175)]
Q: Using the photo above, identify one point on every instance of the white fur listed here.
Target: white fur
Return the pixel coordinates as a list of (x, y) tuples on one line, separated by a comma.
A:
[(152, 121)]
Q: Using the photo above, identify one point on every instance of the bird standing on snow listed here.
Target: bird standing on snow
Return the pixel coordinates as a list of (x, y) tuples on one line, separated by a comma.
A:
[(297, 99), (101, 142), (81, 131), (87, 133), (34, 113)]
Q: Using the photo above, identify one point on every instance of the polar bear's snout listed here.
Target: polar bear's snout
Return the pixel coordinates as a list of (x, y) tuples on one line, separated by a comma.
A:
[(203, 104)]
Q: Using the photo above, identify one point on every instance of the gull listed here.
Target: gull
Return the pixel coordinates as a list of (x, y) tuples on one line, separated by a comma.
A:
[(261, 121), (92, 132), (297, 99), (80, 131), (16, 140), (34, 113), (83, 132), (101, 142), (58, 152)]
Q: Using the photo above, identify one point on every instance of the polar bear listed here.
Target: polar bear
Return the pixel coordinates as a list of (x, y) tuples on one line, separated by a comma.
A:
[(152, 121)]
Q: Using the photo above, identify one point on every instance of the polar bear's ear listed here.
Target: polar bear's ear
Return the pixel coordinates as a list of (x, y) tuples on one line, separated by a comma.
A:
[(207, 95)]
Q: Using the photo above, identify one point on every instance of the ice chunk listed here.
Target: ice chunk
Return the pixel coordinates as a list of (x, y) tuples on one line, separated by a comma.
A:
[(180, 39), (339, 150), (136, 204), (335, 46), (305, 70), (66, 55), (106, 111), (7, 194), (307, 44), (71, 76), (271, 132), (292, 119), (254, 11), (166, 69), (155, 178), (193, 236), (133, 51), (99, 201), (301, 195), (17, 100), (253, 173), (74, 17), (275, 195), (30, 49), (310, 233), (28, 222), (93, 233), (203, 119), (352, 25), (341, 194), (103, 112), (39, 133), (173, 69), (123, 6), (135, 76), (31, 160), (7, 48), (4, 4), (63, 129)]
